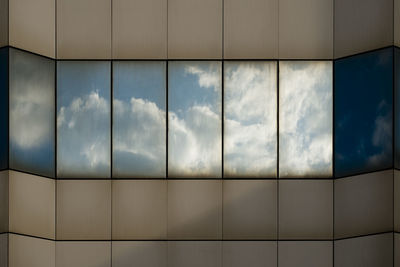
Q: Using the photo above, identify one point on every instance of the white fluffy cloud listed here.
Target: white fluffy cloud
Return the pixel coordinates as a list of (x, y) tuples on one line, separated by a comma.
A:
[(208, 78), (305, 119), (250, 119), (84, 136)]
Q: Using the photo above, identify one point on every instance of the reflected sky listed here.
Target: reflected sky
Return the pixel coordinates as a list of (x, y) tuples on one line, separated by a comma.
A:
[(194, 119), (3, 108), (32, 92), (305, 119), (363, 113), (83, 119), (139, 145), (397, 107), (250, 126)]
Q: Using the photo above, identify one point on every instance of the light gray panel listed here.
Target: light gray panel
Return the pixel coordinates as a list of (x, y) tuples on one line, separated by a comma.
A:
[(249, 253), (195, 254), (369, 251), (139, 253), (362, 25), (305, 253), (305, 209), (364, 204)]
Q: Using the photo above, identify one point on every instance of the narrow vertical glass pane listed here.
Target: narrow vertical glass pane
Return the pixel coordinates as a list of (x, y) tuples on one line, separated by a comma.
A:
[(3, 108), (32, 113), (83, 119), (139, 125), (397, 107), (305, 119), (364, 113), (194, 119), (250, 119)]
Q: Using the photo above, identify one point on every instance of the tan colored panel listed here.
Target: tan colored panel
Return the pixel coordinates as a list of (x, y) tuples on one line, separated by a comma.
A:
[(305, 209), (306, 29), (83, 209), (250, 209), (3, 23), (32, 26), (139, 209), (249, 253), (195, 29), (194, 209), (3, 250), (397, 200), (4, 195), (195, 254), (84, 29), (33, 252), (364, 204), (139, 29), (251, 29), (367, 251), (362, 25), (396, 250), (397, 23), (139, 253), (32, 205), (83, 254), (305, 253)]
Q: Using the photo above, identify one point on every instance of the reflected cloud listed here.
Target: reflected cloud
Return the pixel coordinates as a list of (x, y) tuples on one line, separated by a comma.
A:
[(250, 125), (32, 94), (194, 119), (83, 120), (305, 114)]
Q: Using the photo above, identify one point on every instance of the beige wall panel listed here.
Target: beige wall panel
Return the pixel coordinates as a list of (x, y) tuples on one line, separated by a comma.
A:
[(4, 196), (364, 204), (251, 29), (3, 23), (194, 209), (84, 29), (195, 254), (83, 254), (305, 209), (32, 205), (33, 252), (83, 209), (305, 253), (397, 22), (195, 29), (3, 250), (139, 29), (249, 253), (139, 209), (139, 253), (397, 200), (362, 25), (306, 29), (32, 26), (250, 209), (396, 250)]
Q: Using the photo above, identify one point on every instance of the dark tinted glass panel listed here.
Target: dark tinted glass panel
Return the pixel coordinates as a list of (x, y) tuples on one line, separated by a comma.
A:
[(363, 112), (194, 119), (83, 119), (397, 107), (3, 108), (250, 119), (32, 118), (139, 125)]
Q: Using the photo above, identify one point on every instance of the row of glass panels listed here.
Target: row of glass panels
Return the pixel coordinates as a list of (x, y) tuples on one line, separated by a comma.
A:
[(133, 115)]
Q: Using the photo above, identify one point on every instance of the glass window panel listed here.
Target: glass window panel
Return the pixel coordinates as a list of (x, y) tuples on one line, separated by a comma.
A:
[(3, 108), (32, 113), (363, 113), (83, 119), (194, 119), (397, 107), (139, 137), (305, 118), (250, 119)]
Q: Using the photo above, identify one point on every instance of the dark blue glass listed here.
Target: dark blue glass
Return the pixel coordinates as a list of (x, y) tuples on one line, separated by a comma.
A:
[(397, 107), (3, 108), (364, 113)]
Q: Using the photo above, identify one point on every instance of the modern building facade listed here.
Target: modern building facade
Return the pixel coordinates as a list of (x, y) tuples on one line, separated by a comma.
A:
[(213, 133)]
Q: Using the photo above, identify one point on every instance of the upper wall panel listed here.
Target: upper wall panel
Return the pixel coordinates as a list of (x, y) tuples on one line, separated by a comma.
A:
[(362, 25), (251, 29), (195, 29), (306, 29), (397, 22), (3, 23), (139, 29), (84, 29), (32, 26)]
